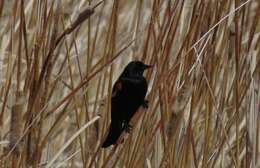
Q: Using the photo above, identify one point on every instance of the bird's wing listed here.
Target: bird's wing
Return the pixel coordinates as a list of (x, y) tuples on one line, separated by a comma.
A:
[(116, 103), (119, 85)]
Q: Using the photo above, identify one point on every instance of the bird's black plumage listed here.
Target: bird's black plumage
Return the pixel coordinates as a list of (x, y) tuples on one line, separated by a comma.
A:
[(127, 96)]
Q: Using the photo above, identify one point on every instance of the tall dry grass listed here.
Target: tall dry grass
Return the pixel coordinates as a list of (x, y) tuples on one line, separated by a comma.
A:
[(59, 60)]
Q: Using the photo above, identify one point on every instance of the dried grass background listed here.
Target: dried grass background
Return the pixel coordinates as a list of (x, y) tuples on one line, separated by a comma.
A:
[(59, 60)]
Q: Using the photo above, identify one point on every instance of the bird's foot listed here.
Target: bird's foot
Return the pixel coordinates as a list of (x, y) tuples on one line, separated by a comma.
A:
[(127, 127), (145, 104)]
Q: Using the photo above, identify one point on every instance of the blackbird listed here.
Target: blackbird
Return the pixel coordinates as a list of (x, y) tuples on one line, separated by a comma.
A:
[(128, 95)]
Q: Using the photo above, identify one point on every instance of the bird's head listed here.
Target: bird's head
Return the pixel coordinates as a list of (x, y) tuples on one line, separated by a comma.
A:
[(135, 68)]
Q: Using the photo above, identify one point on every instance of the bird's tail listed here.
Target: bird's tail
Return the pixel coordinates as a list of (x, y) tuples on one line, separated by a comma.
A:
[(113, 135)]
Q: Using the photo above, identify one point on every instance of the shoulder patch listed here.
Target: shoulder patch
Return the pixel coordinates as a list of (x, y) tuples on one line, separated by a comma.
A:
[(119, 85), (117, 88)]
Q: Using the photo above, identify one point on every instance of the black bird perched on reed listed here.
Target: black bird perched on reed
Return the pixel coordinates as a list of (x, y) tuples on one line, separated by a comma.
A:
[(127, 96)]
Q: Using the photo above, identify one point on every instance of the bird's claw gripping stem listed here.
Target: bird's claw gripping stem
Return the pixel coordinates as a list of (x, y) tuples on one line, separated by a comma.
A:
[(127, 127), (145, 104)]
